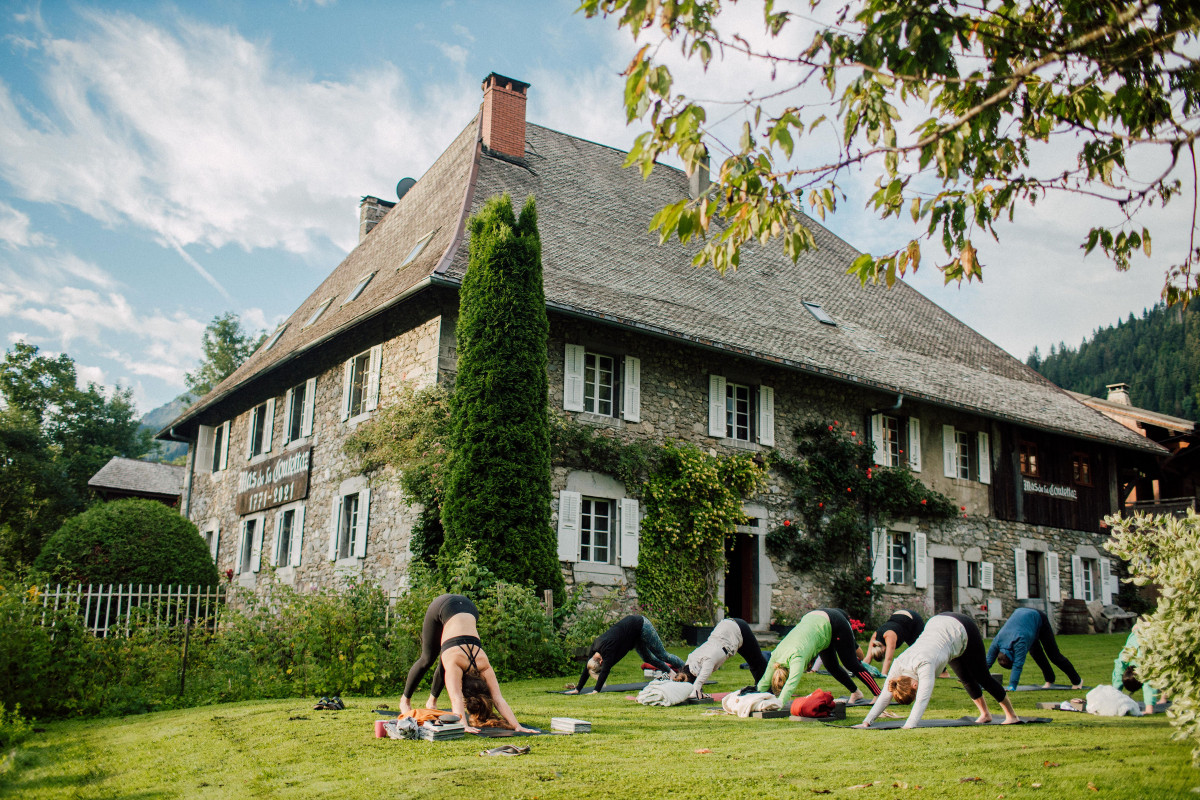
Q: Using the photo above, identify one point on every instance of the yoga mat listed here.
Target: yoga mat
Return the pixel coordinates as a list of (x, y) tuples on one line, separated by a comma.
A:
[(504, 733), (1159, 708), (961, 722), (866, 701), (609, 687), (1056, 687)]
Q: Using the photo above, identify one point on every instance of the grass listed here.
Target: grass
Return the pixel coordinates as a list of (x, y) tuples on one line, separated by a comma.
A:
[(282, 748)]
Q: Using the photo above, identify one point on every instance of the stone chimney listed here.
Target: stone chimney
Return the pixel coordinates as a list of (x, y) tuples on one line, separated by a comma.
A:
[(698, 181), (1119, 393), (370, 212), (504, 115)]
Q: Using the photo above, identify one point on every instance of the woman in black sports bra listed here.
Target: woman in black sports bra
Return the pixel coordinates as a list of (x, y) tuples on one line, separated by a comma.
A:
[(903, 627), (451, 636)]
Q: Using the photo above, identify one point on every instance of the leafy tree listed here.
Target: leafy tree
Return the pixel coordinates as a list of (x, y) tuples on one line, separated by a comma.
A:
[(226, 346), (994, 83), (129, 541), (497, 495), (54, 436)]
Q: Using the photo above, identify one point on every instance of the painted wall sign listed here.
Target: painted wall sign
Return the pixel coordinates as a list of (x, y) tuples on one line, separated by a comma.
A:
[(1050, 490), (271, 483)]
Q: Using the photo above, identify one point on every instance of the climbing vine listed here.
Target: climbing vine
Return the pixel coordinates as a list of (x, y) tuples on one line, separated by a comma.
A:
[(840, 495), (692, 502)]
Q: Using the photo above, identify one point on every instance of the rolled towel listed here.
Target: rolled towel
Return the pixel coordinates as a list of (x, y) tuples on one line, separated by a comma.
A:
[(665, 693), (746, 704), (1105, 701)]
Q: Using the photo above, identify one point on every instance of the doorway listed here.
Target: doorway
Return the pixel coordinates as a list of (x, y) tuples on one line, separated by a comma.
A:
[(945, 576), (741, 576)]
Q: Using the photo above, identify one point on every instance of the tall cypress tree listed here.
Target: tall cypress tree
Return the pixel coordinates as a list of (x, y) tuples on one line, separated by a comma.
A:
[(498, 480)]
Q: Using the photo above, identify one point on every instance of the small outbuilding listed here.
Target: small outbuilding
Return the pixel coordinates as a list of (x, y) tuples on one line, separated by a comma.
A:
[(129, 477)]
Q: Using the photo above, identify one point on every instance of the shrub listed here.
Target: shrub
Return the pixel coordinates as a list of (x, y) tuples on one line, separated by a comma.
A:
[(128, 541), (14, 728), (1165, 550)]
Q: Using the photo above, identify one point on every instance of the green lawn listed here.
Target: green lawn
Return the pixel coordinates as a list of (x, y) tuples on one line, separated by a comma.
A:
[(283, 748)]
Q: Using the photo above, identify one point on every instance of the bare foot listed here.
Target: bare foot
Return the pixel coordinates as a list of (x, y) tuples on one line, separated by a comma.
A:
[(983, 719), (1011, 720), (405, 705)]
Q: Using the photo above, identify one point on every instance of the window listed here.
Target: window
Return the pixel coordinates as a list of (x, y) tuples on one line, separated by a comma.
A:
[(897, 558), (262, 420), (966, 455), (212, 448), (600, 384), (897, 441), (738, 412), (348, 536), (972, 574), (220, 446), (211, 534), (360, 383), (250, 544), (289, 533), (357, 290), (317, 312), (596, 529), (1028, 455), (275, 337), (1081, 470), (298, 410), (962, 464), (1089, 580), (1033, 569), (890, 429), (416, 251), (818, 312)]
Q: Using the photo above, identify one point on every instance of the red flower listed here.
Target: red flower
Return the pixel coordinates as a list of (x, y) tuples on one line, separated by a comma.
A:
[(847, 488), (922, 502), (868, 592), (820, 505), (868, 579), (962, 508), (835, 422), (787, 522), (830, 427), (852, 433)]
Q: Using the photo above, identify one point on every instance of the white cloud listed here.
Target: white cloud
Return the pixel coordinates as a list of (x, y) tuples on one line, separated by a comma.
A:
[(15, 230), (453, 52), (462, 32), (201, 137)]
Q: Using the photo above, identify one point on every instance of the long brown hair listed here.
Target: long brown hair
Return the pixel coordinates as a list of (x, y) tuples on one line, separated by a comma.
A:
[(481, 709)]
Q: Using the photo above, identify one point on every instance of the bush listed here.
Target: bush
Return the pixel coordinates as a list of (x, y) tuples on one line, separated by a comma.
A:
[(128, 541), (14, 728), (1165, 550)]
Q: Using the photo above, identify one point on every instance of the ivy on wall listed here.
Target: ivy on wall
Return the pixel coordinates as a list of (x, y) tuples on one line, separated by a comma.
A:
[(840, 495)]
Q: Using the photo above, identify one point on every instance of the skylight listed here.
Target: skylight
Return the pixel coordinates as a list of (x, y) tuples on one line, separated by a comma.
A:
[(416, 251), (275, 337), (357, 290), (818, 312), (316, 314)]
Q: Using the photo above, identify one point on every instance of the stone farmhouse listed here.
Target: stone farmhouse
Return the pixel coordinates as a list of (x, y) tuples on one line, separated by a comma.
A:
[(647, 346)]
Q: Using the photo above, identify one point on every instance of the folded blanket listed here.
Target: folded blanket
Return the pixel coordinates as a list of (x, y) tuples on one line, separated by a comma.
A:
[(746, 704), (1105, 701), (665, 693)]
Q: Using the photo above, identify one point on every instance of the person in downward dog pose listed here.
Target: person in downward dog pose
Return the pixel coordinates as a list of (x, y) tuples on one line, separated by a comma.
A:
[(904, 626), (632, 632), (1028, 631), (731, 635), (1125, 670), (825, 632), (949, 639), (450, 635)]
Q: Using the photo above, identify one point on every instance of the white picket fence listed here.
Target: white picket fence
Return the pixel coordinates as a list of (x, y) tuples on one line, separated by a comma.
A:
[(118, 608)]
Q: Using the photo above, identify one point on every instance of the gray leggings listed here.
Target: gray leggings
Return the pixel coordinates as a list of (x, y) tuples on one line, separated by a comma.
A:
[(652, 651)]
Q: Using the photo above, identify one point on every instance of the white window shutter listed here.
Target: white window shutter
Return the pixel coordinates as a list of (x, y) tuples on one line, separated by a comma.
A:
[(256, 547), (631, 402), (310, 401), (716, 406), (373, 377), (985, 458), (920, 561), (250, 434), (269, 425), (879, 554), (569, 507), (986, 575), (877, 437), (949, 452), (360, 530), (287, 415), (241, 548), (214, 545), (1077, 577), (347, 379), (298, 536), (225, 446), (335, 521), (1021, 575), (914, 444), (278, 537), (204, 445), (1107, 579), (573, 363), (766, 416), (1055, 580), (630, 532)]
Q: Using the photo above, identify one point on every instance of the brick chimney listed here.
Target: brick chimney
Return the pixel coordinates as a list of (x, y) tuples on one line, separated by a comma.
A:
[(504, 115), (1119, 393), (370, 212)]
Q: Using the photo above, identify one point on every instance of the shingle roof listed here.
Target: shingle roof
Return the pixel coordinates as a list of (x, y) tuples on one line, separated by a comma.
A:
[(131, 475), (1177, 424), (601, 261)]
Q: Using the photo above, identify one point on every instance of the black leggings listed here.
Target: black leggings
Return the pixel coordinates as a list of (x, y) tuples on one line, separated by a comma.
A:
[(1047, 645), (439, 613), (751, 651), (971, 667), (842, 653)]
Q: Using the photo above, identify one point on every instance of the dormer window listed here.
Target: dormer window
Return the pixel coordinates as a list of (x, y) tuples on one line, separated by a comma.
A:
[(274, 337), (416, 251), (818, 312), (357, 290), (317, 312)]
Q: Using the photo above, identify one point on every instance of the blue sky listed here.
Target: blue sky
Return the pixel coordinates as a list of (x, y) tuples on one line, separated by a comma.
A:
[(164, 163)]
